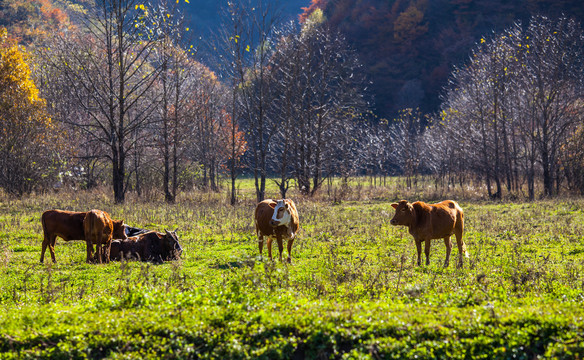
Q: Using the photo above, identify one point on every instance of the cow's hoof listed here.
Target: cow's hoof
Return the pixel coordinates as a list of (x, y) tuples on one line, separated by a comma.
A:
[(289, 261)]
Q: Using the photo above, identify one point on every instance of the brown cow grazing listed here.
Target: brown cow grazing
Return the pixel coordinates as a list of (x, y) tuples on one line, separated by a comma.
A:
[(432, 221), (276, 219), (67, 225), (151, 246)]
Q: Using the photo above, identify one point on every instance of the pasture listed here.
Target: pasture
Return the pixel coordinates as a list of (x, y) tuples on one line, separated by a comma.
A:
[(352, 291)]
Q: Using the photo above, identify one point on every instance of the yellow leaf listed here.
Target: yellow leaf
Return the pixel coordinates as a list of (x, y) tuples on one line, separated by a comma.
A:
[(167, 15), (482, 40), (187, 1), (187, 29)]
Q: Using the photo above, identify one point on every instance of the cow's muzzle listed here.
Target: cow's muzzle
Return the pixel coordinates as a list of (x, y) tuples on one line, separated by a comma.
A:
[(393, 222), (274, 223)]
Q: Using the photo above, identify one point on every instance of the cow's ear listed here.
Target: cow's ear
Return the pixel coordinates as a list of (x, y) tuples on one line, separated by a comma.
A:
[(175, 230), (394, 205), (273, 205)]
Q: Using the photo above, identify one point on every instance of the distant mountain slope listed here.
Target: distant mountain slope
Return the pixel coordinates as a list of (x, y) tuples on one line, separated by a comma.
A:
[(205, 15), (410, 46), (27, 20)]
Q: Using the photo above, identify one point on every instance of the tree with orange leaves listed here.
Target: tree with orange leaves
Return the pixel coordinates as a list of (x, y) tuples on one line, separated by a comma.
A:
[(27, 140), (314, 5), (232, 141)]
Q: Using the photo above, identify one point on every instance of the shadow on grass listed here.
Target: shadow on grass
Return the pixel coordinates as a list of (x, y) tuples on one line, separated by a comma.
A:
[(234, 264)]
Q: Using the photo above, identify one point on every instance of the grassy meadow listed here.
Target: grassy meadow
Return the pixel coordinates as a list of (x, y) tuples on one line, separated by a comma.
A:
[(352, 291)]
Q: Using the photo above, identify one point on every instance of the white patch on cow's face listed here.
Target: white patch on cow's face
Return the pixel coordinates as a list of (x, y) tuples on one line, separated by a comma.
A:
[(281, 214)]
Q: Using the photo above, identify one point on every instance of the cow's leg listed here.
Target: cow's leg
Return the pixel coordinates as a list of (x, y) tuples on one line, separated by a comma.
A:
[(427, 251), (289, 247), (419, 248), (448, 244), (280, 245), (461, 247), (107, 249), (89, 246), (260, 243), (52, 247), (99, 251), (45, 244), (270, 239)]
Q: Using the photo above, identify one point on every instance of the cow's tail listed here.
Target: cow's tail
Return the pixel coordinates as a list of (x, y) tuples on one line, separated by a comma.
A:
[(46, 238), (43, 223), (460, 220)]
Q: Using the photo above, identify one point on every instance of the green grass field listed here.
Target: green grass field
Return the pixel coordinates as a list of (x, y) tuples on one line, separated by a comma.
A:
[(351, 292)]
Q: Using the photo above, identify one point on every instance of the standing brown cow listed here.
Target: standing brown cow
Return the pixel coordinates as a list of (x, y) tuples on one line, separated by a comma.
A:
[(98, 228), (432, 221), (276, 219), (68, 225)]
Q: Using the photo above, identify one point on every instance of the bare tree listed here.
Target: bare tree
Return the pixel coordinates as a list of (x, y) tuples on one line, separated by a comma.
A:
[(106, 67), (258, 22), (406, 143), (553, 86), (234, 46), (319, 86), (174, 87), (515, 102)]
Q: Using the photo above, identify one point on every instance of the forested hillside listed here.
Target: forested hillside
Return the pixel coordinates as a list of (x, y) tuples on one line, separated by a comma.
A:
[(31, 20), (410, 46)]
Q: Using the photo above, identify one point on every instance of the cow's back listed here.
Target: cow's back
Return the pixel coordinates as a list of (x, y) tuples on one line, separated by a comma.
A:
[(98, 227), (66, 224), (443, 217)]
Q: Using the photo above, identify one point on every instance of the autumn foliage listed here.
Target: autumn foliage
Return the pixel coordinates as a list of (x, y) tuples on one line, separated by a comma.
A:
[(26, 129), (30, 20), (314, 4)]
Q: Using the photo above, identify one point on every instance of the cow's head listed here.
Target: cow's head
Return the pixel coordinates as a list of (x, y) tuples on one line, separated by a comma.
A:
[(119, 231), (171, 247), (404, 213), (282, 214)]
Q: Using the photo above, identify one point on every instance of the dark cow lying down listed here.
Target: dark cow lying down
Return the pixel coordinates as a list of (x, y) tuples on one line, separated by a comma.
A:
[(151, 246)]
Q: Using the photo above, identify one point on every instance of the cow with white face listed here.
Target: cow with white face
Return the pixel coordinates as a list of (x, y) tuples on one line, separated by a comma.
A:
[(279, 220)]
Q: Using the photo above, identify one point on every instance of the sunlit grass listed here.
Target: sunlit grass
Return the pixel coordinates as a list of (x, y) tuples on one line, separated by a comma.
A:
[(352, 290)]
